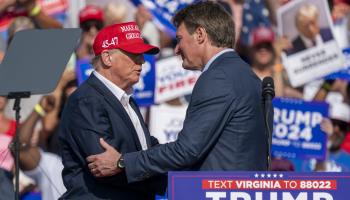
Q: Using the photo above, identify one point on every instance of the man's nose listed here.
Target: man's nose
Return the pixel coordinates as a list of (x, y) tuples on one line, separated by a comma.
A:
[(177, 50)]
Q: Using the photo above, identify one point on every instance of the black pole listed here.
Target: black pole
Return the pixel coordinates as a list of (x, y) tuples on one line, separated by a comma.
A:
[(268, 92), (16, 107), (267, 106)]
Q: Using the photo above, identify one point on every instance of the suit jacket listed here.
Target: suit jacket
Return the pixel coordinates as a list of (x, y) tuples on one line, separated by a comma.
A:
[(299, 45), (223, 129), (93, 112)]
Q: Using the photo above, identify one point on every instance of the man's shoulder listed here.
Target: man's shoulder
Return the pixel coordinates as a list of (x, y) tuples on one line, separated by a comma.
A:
[(85, 91), (326, 34)]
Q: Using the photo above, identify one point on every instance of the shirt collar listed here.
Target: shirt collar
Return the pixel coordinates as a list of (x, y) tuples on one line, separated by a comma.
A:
[(308, 42), (206, 67), (117, 91)]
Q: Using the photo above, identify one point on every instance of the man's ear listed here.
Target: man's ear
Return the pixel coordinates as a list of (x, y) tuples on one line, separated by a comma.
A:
[(201, 35), (106, 58)]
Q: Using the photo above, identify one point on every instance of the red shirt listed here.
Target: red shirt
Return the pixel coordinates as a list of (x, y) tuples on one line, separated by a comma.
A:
[(346, 143), (12, 129)]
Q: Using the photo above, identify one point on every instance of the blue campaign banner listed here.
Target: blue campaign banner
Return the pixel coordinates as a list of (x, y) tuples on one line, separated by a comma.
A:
[(163, 11), (144, 89), (258, 186), (83, 69), (297, 132), (343, 74)]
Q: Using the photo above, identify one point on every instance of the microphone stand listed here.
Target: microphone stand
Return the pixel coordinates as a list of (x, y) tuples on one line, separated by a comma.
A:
[(267, 106), (16, 107), (268, 93)]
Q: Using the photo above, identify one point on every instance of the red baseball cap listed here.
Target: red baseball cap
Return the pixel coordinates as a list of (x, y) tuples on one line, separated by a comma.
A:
[(341, 1), (124, 36), (90, 12), (262, 34)]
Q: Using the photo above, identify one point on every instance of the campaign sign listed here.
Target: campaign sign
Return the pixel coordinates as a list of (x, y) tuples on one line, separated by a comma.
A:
[(172, 80), (258, 186), (343, 74), (144, 89), (297, 132), (309, 57), (163, 11), (166, 121), (83, 69)]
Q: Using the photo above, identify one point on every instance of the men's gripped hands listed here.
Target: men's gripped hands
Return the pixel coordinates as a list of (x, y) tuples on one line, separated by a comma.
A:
[(104, 164)]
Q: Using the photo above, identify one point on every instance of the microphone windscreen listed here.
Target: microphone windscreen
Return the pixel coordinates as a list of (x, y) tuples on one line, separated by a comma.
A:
[(268, 86)]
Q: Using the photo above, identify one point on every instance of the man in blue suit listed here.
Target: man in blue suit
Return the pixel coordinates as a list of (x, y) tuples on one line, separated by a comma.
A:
[(311, 35), (224, 126), (102, 108)]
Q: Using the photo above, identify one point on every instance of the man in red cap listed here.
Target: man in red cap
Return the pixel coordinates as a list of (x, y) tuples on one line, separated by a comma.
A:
[(262, 51), (102, 107), (91, 22)]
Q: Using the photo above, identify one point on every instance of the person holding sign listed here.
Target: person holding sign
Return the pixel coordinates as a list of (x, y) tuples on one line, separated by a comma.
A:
[(224, 126)]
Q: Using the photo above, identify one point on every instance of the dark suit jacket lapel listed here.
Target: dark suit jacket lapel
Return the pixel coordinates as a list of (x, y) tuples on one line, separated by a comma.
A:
[(145, 129), (116, 105)]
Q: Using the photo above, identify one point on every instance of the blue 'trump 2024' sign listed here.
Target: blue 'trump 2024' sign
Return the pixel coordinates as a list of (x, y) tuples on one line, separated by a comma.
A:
[(297, 132)]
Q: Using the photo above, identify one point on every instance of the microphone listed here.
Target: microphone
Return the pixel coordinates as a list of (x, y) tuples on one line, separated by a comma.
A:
[(268, 93), (268, 88)]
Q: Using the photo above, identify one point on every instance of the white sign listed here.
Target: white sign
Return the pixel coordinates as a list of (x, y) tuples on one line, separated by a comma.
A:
[(314, 52), (166, 122), (172, 80)]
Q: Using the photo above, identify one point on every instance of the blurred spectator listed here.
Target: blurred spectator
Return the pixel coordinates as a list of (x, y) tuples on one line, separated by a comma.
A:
[(262, 52), (115, 13), (18, 24), (343, 87), (39, 156), (44, 167), (340, 9), (340, 15), (48, 140), (33, 11), (148, 30), (7, 132), (91, 21), (265, 59), (310, 32), (338, 85), (337, 160)]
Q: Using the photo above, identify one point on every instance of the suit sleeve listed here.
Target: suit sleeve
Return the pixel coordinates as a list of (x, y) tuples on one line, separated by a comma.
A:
[(88, 122), (211, 98)]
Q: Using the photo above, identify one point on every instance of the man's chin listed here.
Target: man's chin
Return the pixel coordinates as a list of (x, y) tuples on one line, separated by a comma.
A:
[(187, 66)]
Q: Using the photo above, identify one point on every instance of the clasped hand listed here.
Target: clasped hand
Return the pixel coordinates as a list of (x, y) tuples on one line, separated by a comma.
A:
[(104, 164)]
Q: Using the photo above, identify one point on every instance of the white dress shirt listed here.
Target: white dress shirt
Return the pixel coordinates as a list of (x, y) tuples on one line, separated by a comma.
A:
[(124, 98)]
